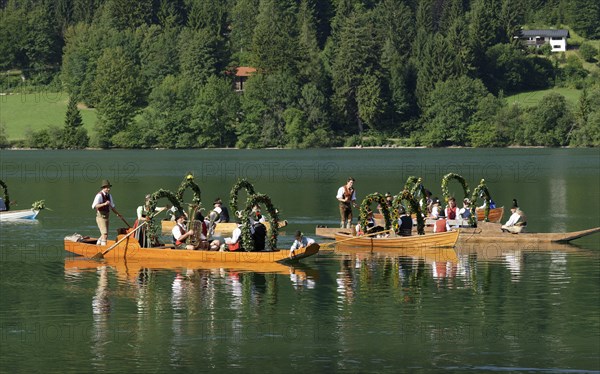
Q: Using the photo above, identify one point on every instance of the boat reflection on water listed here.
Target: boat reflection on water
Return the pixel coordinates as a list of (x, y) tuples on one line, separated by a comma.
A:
[(200, 300), (453, 268)]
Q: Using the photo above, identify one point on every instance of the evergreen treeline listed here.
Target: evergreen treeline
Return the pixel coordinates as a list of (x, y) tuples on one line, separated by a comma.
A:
[(337, 72)]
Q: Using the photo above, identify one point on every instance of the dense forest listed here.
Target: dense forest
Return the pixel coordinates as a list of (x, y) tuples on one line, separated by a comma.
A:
[(160, 73)]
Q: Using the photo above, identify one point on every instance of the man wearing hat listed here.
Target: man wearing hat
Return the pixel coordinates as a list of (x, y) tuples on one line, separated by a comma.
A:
[(180, 233), (221, 210), (103, 204), (517, 221)]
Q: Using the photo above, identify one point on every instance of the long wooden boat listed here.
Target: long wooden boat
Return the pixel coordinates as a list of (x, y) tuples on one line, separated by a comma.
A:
[(18, 214), (130, 249), (329, 232), (487, 232), (442, 239), (221, 227)]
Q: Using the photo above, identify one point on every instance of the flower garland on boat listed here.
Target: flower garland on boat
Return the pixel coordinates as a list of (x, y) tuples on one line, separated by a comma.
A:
[(273, 217), (465, 187), (365, 207), (233, 195), (39, 205), (150, 206), (417, 191), (460, 180), (6, 197), (407, 196), (188, 182), (481, 191)]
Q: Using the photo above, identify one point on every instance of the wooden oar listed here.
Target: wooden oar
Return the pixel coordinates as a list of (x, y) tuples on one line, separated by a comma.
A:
[(100, 255), (122, 218), (356, 237)]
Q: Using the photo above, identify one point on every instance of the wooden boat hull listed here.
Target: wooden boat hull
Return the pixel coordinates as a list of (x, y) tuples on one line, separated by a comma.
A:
[(329, 232), (437, 240), (18, 214), (131, 250), (220, 228), (495, 214), (487, 232)]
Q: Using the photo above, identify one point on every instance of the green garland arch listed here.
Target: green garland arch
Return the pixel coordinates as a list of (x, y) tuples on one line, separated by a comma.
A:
[(405, 195), (460, 180), (6, 197), (233, 195), (481, 190), (255, 199), (188, 182), (417, 191), (366, 204), (154, 229)]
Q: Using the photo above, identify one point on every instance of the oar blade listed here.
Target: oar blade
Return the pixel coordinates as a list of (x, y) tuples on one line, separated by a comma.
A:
[(98, 256)]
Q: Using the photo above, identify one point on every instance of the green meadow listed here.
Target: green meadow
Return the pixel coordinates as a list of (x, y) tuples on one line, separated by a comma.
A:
[(531, 98), (20, 113)]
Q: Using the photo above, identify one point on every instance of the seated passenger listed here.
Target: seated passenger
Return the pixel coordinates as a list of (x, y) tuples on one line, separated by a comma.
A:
[(181, 233), (441, 224), (259, 233), (405, 223), (517, 221)]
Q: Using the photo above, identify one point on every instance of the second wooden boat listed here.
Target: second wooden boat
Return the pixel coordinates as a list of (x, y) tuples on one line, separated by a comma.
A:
[(495, 214), (437, 240)]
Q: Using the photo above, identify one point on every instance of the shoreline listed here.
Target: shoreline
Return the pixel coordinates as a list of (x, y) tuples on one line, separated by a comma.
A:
[(285, 149)]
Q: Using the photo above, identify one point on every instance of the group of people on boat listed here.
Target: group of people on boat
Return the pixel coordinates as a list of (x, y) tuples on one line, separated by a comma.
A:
[(346, 195), (196, 236)]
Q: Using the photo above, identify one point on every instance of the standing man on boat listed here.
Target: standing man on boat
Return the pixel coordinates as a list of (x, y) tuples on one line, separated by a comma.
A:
[(346, 195), (103, 204)]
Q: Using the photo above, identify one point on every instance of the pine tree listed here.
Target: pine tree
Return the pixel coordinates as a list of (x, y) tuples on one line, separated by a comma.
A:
[(74, 134), (274, 46), (243, 20), (310, 65), (118, 93)]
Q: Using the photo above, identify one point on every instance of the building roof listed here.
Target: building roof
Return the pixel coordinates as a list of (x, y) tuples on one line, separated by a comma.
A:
[(545, 33), (244, 71)]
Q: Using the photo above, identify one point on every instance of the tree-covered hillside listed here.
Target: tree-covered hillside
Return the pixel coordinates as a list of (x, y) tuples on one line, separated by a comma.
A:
[(160, 73)]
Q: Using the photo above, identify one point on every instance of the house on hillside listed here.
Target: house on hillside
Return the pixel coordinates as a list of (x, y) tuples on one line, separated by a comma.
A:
[(537, 38), (241, 76)]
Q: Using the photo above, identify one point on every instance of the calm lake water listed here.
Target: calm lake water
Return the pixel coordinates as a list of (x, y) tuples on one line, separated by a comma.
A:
[(476, 309)]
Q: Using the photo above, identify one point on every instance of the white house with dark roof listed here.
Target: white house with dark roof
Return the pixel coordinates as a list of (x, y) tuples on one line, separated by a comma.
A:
[(537, 38)]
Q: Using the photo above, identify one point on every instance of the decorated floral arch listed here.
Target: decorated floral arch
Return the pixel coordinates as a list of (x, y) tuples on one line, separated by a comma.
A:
[(153, 228), (189, 183), (416, 188), (407, 196), (481, 191), (233, 195), (273, 216), (366, 205), (448, 177)]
